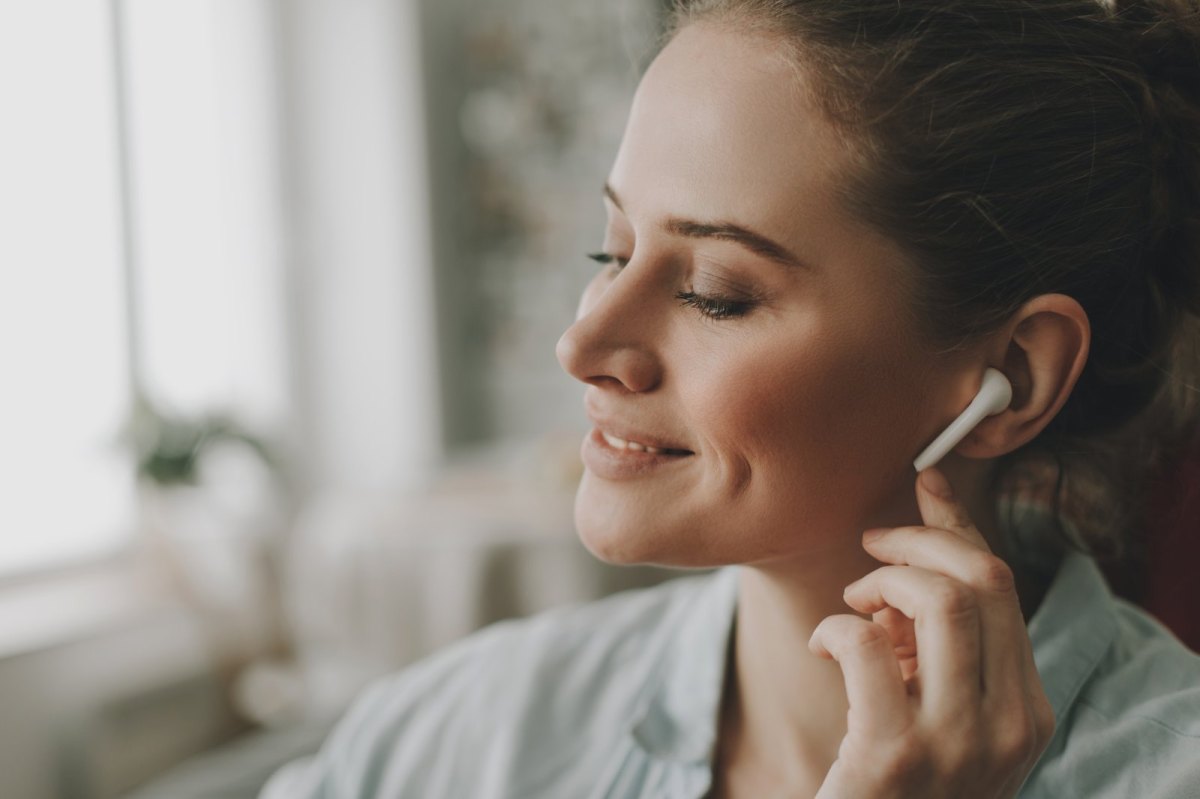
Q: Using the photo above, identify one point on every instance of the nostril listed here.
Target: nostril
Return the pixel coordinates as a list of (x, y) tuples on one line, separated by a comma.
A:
[(592, 351)]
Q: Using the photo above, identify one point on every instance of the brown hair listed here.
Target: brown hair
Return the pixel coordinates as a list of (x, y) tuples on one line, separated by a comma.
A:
[(1013, 148)]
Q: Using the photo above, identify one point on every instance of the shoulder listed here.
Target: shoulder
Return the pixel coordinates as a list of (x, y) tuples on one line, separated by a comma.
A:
[(551, 682), (1147, 674), (1134, 727)]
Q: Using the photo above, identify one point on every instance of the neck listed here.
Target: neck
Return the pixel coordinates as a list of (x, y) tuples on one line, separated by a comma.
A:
[(784, 709)]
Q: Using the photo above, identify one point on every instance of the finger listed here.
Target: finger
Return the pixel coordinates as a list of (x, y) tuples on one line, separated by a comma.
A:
[(1009, 674), (946, 621), (941, 550), (874, 686), (1006, 651), (904, 640), (940, 508)]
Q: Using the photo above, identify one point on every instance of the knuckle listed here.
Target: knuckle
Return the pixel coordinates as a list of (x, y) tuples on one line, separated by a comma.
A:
[(1043, 714), (866, 635), (845, 635), (992, 574), (963, 752), (1016, 742), (953, 599), (906, 760)]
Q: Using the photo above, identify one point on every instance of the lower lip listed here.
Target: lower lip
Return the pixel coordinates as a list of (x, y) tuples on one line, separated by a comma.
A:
[(604, 460)]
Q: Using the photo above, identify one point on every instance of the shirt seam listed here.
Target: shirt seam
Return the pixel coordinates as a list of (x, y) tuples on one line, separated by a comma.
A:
[(1151, 719)]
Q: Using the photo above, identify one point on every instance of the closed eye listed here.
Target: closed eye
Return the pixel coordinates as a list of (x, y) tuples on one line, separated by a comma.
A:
[(708, 306), (605, 258), (715, 307)]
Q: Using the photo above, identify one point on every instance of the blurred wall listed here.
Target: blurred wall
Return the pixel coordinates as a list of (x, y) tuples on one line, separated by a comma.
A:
[(527, 101), (360, 263)]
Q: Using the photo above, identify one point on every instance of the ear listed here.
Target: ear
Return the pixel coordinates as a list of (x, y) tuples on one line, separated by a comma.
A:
[(1042, 351)]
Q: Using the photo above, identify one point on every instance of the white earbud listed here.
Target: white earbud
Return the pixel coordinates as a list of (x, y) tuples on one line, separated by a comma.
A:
[(994, 396)]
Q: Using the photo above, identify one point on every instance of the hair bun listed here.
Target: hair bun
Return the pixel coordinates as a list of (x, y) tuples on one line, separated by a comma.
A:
[(1164, 37)]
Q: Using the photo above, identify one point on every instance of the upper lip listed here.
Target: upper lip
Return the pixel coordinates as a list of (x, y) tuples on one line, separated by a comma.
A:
[(613, 427)]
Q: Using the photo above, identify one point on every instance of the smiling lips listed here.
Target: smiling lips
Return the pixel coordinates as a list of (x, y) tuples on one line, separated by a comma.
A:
[(612, 457), (616, 436), (620, 443)]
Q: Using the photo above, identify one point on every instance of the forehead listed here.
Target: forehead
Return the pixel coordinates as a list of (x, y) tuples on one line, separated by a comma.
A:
[(719, 128)]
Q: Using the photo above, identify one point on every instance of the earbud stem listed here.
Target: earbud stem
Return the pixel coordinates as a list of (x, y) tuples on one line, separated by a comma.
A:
[(994, 396)]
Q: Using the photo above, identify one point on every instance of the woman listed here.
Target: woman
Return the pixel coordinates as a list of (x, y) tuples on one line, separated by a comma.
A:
[(827, 220)]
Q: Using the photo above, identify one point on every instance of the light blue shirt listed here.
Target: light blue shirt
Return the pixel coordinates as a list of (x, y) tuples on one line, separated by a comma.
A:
[(619, 698)]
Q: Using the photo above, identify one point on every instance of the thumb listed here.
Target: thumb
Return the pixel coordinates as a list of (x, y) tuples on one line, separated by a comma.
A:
[(941, 508)]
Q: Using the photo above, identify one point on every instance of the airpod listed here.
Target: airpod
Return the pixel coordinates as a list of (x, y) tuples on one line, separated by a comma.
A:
[(994, 396)]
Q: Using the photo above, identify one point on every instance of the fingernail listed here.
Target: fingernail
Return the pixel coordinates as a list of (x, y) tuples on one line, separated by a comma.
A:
[(936, 483), (873, 533)]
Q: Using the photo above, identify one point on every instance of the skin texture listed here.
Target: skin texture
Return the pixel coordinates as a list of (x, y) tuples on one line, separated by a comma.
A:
[(804, 414)]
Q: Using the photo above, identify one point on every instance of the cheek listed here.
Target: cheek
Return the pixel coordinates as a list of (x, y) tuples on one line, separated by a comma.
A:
[(803, 428)]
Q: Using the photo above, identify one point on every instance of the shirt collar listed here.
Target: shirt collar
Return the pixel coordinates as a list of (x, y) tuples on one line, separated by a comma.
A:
[(1072, 628), (678, 717), (1075, 623)]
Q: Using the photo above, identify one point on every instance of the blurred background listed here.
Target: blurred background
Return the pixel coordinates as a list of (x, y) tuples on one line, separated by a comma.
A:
[(280, 283)]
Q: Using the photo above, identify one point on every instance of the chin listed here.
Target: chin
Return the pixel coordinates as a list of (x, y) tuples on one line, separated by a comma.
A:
[(609, 540), (622, 538)]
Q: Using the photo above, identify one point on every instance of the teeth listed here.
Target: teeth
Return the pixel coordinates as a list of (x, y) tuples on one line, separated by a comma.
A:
[(620, 443), (613, 441)]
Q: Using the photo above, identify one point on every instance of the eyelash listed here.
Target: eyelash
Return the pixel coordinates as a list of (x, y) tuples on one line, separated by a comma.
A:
[(712, 307)]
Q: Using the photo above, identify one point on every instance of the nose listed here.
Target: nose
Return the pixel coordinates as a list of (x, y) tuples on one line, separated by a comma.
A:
[(611, 339)]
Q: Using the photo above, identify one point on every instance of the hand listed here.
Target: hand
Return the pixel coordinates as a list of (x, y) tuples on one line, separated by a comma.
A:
[(945, 700)]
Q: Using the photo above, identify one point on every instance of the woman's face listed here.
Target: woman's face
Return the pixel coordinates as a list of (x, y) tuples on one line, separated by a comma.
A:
[(802, 400)]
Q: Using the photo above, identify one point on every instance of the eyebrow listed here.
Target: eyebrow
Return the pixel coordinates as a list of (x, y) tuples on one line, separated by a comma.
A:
[(726, 231)]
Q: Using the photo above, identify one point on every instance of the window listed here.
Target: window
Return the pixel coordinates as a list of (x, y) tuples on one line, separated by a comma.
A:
[(189, 310), (63, 331)]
